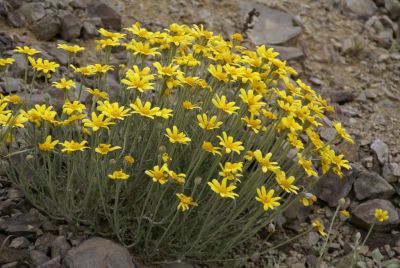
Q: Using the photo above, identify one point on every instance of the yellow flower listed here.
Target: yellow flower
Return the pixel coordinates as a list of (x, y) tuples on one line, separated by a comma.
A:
[(71, 107), (158, 174), (308, 199), (175, 136), (85, 71), (118, 175), (230, 170), (253, 124), (97, 121), (13, 120), (218, 73), (265, 162), (206, 124), (339, 162), (294, 141), (223, 189), (187, 105), (141, 48), (381, 215), (267, 199), (104, 148), (70, 48), (342, 132), (169, 70), (48, 144), (26, 50), (14, 99), (98, 68), (179, 178), (129, 159), (307, 166), (165, 157), (164, 113), (229, 144), (64, 84), (267, 54), (345, 213), (144, 110), (44, 66), (185, 202), (98, 93), (73, 146), (103, 43), (290, 123), (286, 183), (6, 61), (112, 35), (208, 147), (112, 110), (253, 101), (222, 104), (138, 79), (320, 228)]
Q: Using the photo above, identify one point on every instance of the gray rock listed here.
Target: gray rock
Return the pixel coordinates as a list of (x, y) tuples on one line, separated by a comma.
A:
[(44, 242), (372, 185), (391, 172), (38, 257), (16, 19), (271, 26), (70, 26), (393, 7), (98, 252), (331, 188), (361, 8), (18, 68), (106, 13), (89, 30), (363, 214), (289, 53), (11, 254), (53, 263), (341, 96), (32, 11), (10, 265), (6, 206), (60, 246), (19, 242), (12, 84), (51, 23), (22, 224), (381, 150), (58, 54)]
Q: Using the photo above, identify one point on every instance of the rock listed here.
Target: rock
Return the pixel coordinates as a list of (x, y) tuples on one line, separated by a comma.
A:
[(391, 172), (15, 85), (58, 54), (6, 206), (107, 14), (77, 4), (60, 246), (32, 11), (289, 53), (19, 242), (98, 252), (18, 68), (11, 254), (363, 214), (372, 185), (44, 242), (51, 23), (70, 26), (89, 30), (38, 257), (16, 19), (331, 188), (361, 8), (22, 224), (11, 265), (272, 26), (393, 8), (341, 96), (381, 150), (53, 263), (6, 42)]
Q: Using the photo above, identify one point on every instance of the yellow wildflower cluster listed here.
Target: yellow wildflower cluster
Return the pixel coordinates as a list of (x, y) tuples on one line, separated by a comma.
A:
[(197, 122)]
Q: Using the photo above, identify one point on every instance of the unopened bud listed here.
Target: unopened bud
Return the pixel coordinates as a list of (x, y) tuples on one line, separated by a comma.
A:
[(197, 180), (162, 149), (342, 202), (357, 236), (271, 228), (112, 161), (29, 157)]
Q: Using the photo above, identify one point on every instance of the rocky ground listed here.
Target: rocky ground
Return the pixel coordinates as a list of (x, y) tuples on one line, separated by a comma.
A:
[(346, 49)]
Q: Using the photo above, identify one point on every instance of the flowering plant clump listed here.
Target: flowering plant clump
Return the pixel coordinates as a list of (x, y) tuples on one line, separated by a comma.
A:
[(203, 143)]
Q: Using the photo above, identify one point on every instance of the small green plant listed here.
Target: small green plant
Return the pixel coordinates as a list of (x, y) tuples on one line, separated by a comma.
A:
[(202, 145)]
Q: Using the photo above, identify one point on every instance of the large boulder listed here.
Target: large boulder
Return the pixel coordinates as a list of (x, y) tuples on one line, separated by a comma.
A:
[(100, 253), (47, 28), (371, 185), (360, 8), (108, 15)]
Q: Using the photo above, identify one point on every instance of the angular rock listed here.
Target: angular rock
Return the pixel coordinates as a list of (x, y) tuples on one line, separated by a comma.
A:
[(32, 11), (100, 253), (22, 224), (381, 150), (18, 68), (53, 263), (372, 185), (51, 23), (272, 26), (363, 214), (6, 206), (38, 257), (391, 172), (60, 246), (89, 30), (393, 7), (331, 188), (6, 42), (70, 26), (106, 13), (19, 242), (341, 96), (16, 19), (44, 242), (12, 84), (289, 53), (11, 254), (58, 54), (361, 8)]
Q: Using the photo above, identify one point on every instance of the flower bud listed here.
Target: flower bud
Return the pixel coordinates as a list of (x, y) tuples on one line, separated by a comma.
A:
[(197, 180), (112, 161), (162, 149), (29, 157), (342, 202), (271, 228), (357, 236)]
